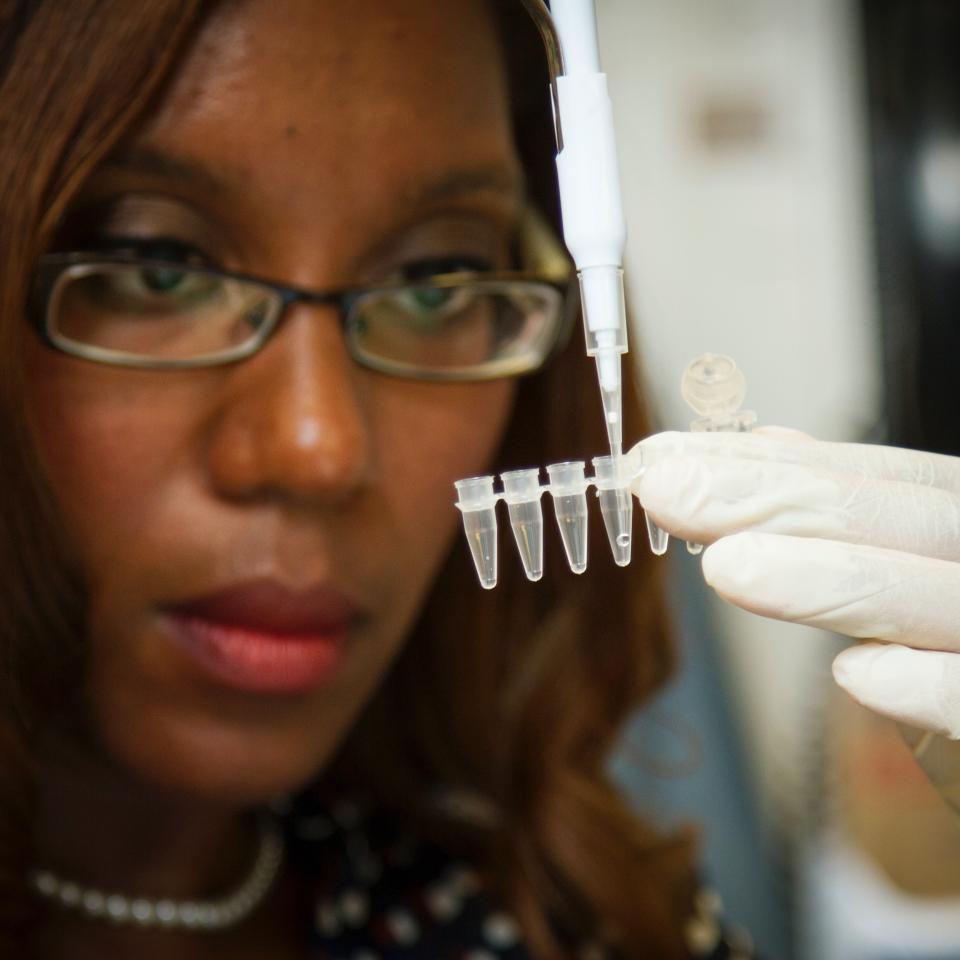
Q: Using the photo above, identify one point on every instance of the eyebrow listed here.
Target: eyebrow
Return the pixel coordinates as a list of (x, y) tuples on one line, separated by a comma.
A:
[(432, 190), (147, 161), (464, 182)]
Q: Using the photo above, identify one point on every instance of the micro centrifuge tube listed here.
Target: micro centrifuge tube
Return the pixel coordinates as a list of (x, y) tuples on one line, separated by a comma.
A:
[(616, 506), (522, 492), (568, 487), (659, 539), (477, 502)]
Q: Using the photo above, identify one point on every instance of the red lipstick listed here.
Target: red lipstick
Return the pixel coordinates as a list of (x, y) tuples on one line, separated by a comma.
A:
[(262, 637)]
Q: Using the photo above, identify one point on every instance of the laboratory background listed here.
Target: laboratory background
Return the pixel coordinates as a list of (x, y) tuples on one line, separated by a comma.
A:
[(791, 178)]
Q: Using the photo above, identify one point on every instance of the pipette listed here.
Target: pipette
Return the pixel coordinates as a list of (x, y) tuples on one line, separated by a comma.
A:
[(594, 228)]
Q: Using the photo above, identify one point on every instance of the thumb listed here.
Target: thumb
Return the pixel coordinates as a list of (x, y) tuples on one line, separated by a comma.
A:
[(917, 687)]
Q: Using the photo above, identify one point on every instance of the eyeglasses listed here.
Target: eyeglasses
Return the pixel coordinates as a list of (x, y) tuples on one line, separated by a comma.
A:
[(141, 312)]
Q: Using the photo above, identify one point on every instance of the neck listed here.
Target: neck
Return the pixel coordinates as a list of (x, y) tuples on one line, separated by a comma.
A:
[(100, 827)]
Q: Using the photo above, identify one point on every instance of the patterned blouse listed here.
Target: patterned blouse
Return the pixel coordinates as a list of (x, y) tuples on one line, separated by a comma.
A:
[(389, 895)]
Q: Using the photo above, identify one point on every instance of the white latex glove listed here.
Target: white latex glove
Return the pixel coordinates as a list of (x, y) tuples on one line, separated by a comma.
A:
[(857, 539)]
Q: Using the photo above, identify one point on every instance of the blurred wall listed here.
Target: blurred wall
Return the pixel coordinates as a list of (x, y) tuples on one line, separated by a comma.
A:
[(743, 160), (742, 145)]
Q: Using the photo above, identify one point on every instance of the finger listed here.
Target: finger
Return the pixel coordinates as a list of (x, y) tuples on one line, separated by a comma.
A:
[(782, 445), (704, 498), (917, 687), (864, 592)]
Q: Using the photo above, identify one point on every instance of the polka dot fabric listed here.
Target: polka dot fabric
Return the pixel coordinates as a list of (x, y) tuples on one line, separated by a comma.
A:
[(384, 894)]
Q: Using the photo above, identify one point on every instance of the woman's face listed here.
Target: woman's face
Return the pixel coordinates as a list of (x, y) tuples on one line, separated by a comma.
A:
[(258, 538)]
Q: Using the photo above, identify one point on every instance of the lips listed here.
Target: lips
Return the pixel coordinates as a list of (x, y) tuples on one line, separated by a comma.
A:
[(260, 636)]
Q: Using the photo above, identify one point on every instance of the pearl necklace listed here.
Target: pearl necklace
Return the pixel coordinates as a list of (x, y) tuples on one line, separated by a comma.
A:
[(194, 915)]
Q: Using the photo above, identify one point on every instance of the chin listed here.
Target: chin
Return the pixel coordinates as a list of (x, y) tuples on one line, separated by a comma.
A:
[(217, 764)]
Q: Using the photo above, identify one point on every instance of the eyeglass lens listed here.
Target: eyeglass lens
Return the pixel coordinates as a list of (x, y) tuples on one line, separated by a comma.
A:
[(159, 312), (172, 313)]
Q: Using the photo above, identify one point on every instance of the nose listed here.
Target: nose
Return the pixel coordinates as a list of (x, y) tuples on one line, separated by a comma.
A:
[(291, 422)]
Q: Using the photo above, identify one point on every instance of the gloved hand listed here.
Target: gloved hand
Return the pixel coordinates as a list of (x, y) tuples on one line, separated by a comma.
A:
[(857, 539)]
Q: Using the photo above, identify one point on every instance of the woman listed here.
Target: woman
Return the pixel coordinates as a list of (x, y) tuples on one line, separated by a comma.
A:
[(234, 576), (243, 242)]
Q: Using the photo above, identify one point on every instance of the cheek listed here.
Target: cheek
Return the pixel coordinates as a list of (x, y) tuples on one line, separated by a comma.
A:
[(112, 453), (431, 436)]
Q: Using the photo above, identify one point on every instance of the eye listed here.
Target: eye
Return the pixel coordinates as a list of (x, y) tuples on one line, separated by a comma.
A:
[(429, 308), (149, 289), (162, 279)]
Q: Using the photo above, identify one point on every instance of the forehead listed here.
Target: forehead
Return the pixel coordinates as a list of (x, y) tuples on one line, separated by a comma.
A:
[(336, 99)]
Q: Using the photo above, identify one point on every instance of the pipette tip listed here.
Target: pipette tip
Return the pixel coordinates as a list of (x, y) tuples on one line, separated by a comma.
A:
[(612, 404)]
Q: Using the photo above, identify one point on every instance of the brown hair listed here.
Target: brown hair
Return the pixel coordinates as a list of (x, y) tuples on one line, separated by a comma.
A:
[(514, 695)]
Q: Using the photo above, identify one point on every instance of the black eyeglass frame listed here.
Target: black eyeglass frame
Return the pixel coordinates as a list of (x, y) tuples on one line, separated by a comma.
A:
[(555, 275)]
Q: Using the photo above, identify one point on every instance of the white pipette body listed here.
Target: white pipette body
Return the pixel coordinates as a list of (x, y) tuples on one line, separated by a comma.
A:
[(594, 228)]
